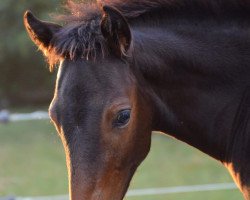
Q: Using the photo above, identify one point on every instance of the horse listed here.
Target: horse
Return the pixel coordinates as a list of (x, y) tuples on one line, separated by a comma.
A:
[(130, 67)]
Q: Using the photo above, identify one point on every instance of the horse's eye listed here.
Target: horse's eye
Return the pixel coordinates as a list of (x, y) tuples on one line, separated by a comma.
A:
[(122, 118)]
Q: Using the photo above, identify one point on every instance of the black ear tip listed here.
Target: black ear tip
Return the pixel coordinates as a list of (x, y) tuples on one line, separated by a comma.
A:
[(110, 10), (105, 8), (27, 15)]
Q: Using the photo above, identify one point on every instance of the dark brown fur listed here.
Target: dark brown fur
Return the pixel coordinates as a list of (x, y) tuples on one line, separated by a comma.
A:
[(186, 73), (81, 35)]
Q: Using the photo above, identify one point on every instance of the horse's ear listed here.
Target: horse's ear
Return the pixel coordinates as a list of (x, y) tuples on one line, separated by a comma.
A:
[(116, 30), (39, 31)]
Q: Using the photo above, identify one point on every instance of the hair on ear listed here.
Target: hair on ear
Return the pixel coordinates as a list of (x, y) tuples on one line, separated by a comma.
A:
[(40, 32), (115, 29)]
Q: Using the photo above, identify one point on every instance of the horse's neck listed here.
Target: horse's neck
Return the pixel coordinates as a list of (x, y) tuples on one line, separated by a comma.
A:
[(197, 76)]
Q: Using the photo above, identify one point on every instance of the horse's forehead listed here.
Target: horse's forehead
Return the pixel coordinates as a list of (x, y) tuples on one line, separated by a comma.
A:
[(105, 72), (104, 78)]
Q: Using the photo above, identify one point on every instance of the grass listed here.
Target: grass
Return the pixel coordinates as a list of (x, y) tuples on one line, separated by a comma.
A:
[(32, 163), (32, 160)]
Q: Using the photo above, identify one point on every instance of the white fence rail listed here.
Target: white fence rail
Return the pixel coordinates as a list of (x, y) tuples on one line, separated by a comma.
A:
[(6, 117), (29, 116), (153, 191)]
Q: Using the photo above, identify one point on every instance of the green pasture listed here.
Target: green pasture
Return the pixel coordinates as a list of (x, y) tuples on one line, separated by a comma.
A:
[(32, 163)]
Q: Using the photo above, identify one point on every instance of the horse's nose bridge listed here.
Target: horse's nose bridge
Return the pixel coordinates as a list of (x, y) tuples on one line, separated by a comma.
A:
[(53, 115), (53, 111)]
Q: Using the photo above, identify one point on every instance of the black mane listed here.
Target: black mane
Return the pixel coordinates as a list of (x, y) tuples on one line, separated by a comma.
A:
[(81, 35)]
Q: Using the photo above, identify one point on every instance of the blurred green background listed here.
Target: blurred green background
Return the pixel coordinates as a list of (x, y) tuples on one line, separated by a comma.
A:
[(32, 160), (24, 76)]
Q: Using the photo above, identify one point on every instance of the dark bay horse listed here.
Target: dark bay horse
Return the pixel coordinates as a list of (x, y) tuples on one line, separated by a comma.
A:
[(130, 67)]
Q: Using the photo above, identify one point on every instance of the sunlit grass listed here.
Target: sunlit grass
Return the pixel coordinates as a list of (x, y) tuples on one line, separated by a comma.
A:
[(32, 163)]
